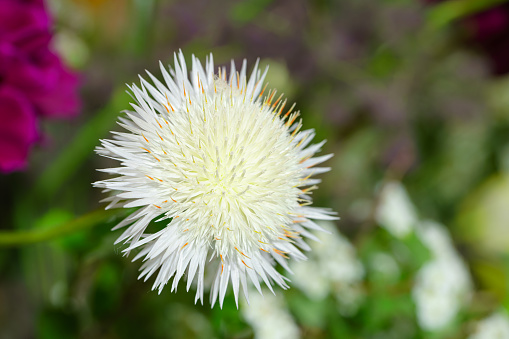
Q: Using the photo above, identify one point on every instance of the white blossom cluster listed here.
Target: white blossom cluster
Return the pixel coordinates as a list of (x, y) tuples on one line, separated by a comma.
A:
[(332, 268), (443, 285), (496, 326), (395, 212), (268, 316)]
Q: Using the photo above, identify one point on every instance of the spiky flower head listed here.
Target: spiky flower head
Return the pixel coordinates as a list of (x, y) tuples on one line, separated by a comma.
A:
[(225, 166)]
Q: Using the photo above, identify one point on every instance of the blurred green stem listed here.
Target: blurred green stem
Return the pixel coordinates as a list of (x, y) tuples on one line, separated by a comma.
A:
[(20, 238), (79, 149)]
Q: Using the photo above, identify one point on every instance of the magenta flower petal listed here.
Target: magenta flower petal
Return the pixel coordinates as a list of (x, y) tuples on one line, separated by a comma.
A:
[(27, 63), (26, 26), (33, 80), (36, 74), (18, 130), (61, 99), (490, 25)]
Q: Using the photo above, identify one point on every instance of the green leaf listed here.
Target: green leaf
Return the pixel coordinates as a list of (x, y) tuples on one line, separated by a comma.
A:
[(54, 324), (310, 313), (384, 309), (419, 253), (106, 294)]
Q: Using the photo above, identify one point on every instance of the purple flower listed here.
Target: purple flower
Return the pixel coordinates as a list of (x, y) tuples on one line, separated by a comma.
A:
[(18, 130), (34, 83), (488, 30)]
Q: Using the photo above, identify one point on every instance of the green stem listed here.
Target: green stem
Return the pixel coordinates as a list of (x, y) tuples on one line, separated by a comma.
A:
[(79, 149), (19, 238)]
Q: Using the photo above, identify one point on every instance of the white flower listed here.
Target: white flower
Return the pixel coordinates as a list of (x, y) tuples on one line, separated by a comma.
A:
[(436, 237), (442, 285), (495, 326), (395, 211), (225, 166), (309, 279), (333, 267), (439, 293), (269, 318)]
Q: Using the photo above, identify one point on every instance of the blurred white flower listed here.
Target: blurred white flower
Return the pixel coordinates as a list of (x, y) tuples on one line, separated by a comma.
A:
[(268, 316), (495, 326), (442, 285), (395, 211), (332, 267), (308, 277), (228, 170), (439, 292)]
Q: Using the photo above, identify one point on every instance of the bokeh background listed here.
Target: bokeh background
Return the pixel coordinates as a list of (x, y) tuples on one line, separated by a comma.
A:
[(413, 98)]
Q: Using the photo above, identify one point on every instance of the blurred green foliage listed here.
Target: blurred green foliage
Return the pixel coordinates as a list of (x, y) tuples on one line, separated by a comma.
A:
[(388, 83)]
